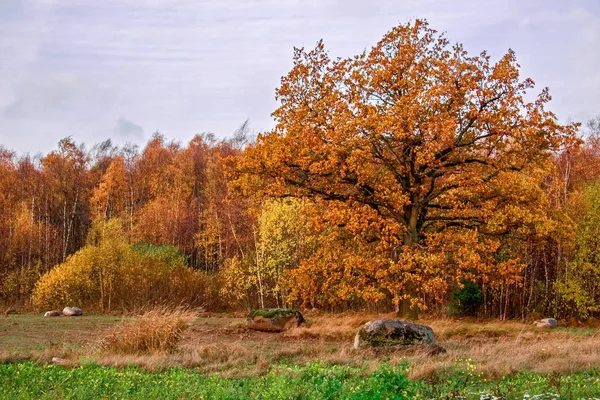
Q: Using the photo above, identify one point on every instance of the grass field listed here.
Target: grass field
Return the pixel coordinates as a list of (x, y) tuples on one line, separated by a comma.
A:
[(219, 358), (313, 381)]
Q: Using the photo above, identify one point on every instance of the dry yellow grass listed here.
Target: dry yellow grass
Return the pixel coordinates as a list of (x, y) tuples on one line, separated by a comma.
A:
[(492, 348), (495, 358), (219, 344), (156, 331), (333, 326)]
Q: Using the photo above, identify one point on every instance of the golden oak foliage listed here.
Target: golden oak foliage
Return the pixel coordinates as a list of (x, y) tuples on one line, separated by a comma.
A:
[(426, 153), (110, 274), (341, 259)]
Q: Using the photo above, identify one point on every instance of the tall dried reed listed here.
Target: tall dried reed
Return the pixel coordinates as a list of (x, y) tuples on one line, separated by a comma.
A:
[(156, 331)]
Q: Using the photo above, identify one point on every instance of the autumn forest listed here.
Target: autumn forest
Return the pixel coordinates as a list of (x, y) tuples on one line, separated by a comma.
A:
[(414, 177)]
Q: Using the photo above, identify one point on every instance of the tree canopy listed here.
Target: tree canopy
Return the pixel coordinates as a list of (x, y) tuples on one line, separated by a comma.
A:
[(416, 136)]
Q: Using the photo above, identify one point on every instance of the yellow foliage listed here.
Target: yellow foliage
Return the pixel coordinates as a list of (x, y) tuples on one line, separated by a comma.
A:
[(237, 281), (108, 273), (280, 241)]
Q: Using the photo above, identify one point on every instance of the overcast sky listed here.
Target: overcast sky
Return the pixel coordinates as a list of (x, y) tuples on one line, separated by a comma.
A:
[(126, 68)]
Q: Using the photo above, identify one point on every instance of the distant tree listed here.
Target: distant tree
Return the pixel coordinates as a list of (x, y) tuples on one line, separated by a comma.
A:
[(280, 244), (241, 136), (65, 173), (110, 198), (593, 126)]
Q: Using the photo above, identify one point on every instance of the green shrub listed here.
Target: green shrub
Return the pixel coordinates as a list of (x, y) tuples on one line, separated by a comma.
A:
[(467, 299)]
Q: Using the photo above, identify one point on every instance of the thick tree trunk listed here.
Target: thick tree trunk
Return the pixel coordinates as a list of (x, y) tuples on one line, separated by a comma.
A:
[(403, 307)]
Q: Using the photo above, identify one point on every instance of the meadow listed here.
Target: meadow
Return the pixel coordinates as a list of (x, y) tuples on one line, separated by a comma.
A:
[(217, 357), (414, 176)]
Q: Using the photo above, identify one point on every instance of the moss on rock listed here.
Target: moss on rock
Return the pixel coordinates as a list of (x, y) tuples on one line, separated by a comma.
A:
[(274, 319)]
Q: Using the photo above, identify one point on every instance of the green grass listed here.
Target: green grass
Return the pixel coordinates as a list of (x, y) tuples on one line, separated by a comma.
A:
[(314, 381), (578, 331), (466, 384), (29, 381)]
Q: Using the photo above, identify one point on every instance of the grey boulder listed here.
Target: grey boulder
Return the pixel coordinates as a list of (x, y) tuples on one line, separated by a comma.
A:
[(72, 311), (393, 333), (53, 313), (546, 323)]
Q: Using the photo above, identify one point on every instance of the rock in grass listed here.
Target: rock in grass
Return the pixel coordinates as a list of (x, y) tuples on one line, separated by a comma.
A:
[(72, 311), (53, 313), (274, 319), (546, 323), (393, 333)]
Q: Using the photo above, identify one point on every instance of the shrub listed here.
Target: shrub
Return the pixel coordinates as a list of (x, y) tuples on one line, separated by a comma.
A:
[(467, 299), (19, 283), (108, 273), (73, 282), (156, 331)]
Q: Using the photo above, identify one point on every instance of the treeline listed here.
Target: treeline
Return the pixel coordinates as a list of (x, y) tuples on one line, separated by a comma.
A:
[(259, 252), (412, 177), (165, 194)]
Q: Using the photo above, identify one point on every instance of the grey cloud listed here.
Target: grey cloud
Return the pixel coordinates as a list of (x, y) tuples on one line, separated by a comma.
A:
[(11, 9), (61, 96), (16, 110), (184, 66), (128, 129)]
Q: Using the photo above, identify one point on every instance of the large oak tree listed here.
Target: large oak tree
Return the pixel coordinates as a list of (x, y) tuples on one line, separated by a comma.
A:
[(420, 140)]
